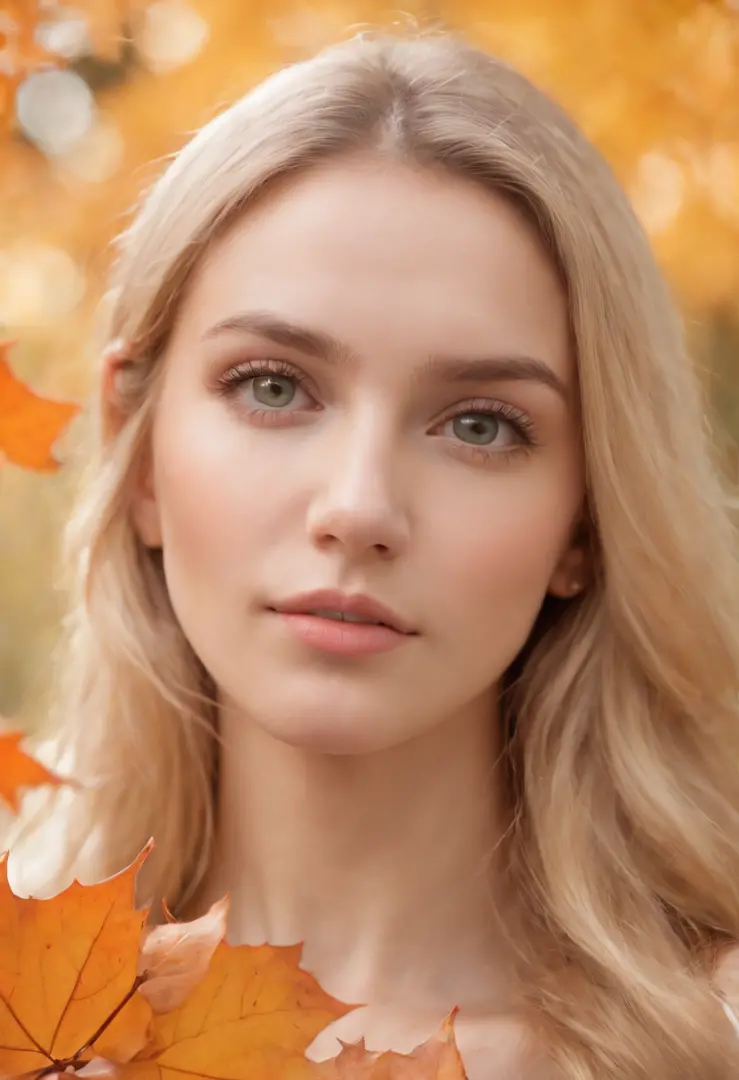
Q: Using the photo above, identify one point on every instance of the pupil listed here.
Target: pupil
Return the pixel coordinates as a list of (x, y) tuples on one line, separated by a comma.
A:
[(477, 428), (273, 390)]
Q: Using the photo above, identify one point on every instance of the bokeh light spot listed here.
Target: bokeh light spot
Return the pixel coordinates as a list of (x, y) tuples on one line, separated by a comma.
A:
[(55, 109), (39, 284)]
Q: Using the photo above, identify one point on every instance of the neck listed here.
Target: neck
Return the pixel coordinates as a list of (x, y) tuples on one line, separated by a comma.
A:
[(384, 865)]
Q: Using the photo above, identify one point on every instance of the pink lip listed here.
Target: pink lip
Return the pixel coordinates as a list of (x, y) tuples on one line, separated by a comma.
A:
[(343, 638)]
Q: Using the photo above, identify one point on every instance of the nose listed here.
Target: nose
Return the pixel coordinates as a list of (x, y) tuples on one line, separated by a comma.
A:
[(357, 507)]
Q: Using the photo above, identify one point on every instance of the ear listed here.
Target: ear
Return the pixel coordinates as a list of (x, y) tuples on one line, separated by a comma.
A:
[(112, 410), (114, 413), (574, 568)]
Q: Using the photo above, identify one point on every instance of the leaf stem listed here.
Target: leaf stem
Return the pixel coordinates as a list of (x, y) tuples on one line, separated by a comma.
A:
[(74, 1062), (106, 1023)]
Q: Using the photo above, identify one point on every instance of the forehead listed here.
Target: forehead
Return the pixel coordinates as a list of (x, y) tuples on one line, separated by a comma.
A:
[(372, 250)]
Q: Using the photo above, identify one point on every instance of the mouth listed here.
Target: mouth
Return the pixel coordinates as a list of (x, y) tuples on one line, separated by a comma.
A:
[(342, 633), (335, 606), (344, 616)]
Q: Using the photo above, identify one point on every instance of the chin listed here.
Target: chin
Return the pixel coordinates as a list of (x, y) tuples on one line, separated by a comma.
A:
[(332, 739), (332, 731)]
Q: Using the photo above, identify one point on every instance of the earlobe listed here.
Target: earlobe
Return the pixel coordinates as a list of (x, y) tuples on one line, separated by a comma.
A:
[(118, 368), (574, 569), (571, 574)]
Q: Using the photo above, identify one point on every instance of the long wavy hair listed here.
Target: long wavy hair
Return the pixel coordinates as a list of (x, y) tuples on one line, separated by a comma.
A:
[(624, 757)]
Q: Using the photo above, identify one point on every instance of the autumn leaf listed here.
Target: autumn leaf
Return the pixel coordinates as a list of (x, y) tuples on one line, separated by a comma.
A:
[(254, 1012), (18, 770), (175, 957), (75, 969), (29, 425), (68, 975), (436, 1059)]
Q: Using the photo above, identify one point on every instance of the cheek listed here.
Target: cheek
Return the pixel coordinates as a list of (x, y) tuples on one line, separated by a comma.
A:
[(501, 549), (215, 501)]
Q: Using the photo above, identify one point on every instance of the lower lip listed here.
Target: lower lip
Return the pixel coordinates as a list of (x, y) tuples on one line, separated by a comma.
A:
[(344, 638)]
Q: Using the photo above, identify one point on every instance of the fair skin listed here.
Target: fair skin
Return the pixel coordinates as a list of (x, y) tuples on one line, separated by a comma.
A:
[(361, 800)]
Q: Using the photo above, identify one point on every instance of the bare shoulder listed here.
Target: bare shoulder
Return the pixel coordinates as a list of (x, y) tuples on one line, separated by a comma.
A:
[(486, 1065), (501, 1048)]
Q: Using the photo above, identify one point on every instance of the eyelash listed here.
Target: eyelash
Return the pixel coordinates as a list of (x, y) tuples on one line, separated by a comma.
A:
[(231, 380)]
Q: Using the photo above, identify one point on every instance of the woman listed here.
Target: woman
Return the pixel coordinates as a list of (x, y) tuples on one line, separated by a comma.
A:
[(404, 605)]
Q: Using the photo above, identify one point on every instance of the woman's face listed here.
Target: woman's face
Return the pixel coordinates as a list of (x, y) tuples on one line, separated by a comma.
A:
[(369, 390)]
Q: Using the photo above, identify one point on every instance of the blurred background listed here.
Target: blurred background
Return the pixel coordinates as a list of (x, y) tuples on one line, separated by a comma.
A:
[(95, 95)]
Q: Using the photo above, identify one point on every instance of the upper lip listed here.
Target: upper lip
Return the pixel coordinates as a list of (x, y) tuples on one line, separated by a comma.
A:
[(349, 604)]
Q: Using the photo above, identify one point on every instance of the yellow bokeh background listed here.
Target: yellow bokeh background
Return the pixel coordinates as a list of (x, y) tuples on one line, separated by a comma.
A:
[(655, 83)]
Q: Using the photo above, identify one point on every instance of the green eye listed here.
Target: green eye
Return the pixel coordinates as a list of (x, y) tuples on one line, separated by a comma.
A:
[(480, 429), (275, 391)]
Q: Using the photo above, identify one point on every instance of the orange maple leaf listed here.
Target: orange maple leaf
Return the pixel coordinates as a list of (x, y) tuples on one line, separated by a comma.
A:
[(29, 425), (18, 770), (76, 971), (68, 975), (436, 1059), (175, 957), (254, 1014)]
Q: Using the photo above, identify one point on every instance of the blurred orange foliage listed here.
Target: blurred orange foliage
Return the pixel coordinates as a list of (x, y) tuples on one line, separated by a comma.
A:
[(29, 425), (18, 770), (655, 85)]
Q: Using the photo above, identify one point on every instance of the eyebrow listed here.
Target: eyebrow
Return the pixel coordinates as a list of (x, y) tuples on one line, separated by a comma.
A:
[(324, 346)]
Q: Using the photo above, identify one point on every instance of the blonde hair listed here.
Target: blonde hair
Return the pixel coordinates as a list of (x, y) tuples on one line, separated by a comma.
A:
[(623, 763)]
